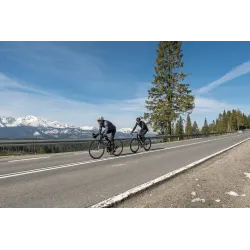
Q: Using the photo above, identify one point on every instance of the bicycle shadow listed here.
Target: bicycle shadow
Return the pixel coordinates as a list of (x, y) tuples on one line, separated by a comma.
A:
[(140, 151)]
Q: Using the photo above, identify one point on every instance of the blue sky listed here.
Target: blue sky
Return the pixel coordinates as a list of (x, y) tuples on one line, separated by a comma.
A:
[(75, 82)]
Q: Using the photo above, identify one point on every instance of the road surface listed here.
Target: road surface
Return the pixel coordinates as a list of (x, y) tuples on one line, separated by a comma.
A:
[(76, 180), (223, 182)]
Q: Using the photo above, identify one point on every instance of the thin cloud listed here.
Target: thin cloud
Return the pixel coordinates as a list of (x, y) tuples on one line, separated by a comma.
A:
[(8, 84), (14, 102), (19, 99), (236, 72)]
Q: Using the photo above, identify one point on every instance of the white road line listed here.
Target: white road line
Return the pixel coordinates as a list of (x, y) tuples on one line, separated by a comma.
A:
[(121, 197), (80, 153), (14, 174), (118, 165), (30, 159)]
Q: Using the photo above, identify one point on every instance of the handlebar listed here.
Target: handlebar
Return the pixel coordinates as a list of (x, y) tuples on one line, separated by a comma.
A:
[(101, 136)]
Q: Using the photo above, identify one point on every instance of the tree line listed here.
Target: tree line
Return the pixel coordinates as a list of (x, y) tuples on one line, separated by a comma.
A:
[(227, 121)]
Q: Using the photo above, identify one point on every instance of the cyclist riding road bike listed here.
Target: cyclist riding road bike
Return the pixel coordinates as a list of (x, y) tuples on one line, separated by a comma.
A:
[(109, 129), (144, 128)]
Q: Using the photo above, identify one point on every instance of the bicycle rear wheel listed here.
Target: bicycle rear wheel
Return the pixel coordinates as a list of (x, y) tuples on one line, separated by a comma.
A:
[(118, 147), (134, 145), (147, 144), (96, 149)]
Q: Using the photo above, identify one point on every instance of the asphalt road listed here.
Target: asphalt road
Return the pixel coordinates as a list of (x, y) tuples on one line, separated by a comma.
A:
[(76, 180)]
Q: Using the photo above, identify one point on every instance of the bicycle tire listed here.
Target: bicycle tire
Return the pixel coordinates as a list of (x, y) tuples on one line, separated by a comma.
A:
[(147, 139), (102, 151), (115, 154), (135, 140)]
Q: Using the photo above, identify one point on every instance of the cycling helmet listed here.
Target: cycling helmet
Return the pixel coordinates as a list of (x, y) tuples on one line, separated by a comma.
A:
[(100, 118)]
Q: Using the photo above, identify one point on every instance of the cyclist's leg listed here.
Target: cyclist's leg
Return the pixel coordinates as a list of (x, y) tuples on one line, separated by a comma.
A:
[(111, 140), (143, 133), (106, 138), (112, 137)]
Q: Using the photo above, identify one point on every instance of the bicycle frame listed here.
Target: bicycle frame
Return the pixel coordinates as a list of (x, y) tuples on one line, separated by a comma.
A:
[(106, 142), (138, 138)]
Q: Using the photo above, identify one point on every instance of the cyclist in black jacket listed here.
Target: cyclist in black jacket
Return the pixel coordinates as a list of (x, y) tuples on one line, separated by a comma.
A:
[(144, 128), (109, 128)]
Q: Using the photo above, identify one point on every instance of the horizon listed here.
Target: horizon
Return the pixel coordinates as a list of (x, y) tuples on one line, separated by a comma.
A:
[(93, 126), (75, 82)]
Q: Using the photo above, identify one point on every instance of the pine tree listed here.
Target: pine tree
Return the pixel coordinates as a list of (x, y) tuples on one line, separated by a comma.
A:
[(219, 123), (188, 128), (239, 118), (173, 128), (169, 97), (229, 128), (179, 128), (224, 123), (205, 128), (233, 120), (195, 128), (214, 130), (212, 127), (248, 118), (244, 121)]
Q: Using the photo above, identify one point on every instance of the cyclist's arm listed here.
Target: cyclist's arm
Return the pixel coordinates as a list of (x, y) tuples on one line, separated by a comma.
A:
[(134, 128), (106, 129), (100, 131)]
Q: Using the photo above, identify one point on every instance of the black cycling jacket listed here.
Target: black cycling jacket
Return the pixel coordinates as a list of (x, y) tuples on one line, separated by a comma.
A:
[(142, 124), (109, 126)]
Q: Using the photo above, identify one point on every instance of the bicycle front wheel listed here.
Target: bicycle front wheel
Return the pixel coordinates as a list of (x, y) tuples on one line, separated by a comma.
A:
[(134, 145), (96, 149), (118, 147)]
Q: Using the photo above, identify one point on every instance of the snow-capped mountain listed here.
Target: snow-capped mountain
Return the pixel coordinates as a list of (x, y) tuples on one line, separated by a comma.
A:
[(32, 121), (129, 130), (38, 127), (7, 122), (125, 130), (88, 128)]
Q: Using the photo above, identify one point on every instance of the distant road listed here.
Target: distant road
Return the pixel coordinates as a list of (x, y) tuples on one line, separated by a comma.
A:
[(76, 180)]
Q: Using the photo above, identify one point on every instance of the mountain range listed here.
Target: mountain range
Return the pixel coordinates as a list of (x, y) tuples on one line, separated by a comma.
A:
[(38, 127)]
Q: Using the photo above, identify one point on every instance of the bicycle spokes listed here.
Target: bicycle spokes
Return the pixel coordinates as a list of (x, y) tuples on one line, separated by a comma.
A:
[(117, 147), (134, 145), (96, 149)]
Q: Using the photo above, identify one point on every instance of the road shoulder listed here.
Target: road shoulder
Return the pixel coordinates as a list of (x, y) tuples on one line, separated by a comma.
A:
[(223, 181)]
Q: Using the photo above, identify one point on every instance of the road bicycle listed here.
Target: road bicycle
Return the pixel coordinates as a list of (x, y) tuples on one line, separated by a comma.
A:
[(98, 147), (137, 142)]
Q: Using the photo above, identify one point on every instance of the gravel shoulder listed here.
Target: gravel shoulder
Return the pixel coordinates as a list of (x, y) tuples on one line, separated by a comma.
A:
[(222, 182)]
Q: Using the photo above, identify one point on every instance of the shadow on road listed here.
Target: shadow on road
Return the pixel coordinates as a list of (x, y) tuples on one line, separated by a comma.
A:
[(140, 151)]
